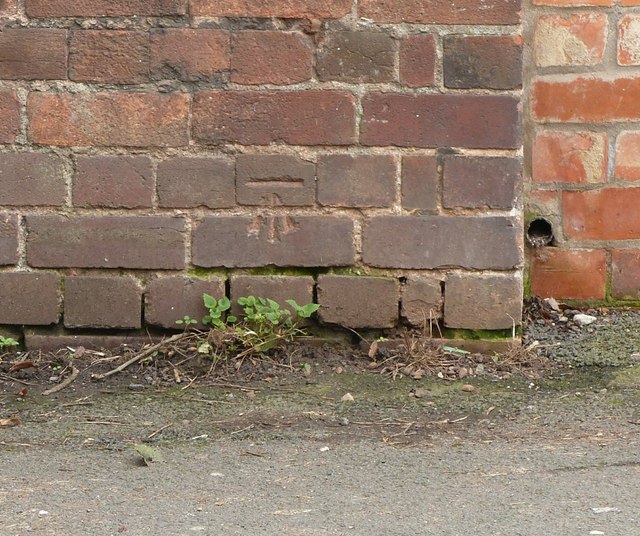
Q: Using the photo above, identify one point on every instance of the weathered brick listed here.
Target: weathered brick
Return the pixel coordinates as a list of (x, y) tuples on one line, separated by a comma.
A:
[(346, 180), (629, 40), (358, 302), (29, 298), (243, 241), (483, 61), (137, 242), (9, 116), (572, 3), (8, 8), (106, 119), (296, 9), (585, 99), (113, 182), (625, 274), (543, 202), (31, 179), (478, 301), (261, 118), (420, 183), (188, 182), (362, 57), (608, 214), (189, 54), (275, 287), (8, 239), (476, 182), (441, 11), (578, 39), (171, 298), (574, 157), (109, 56), (418, 58), (275, 180), (102, 302), (427, 242), (33, 54), (628, 156), (105, 8), (569, 274), (280, 58), (47, 340), (421, 300), (474, 121)]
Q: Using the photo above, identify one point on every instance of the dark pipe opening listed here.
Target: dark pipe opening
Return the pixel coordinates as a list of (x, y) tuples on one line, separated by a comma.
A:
[(540, 232)]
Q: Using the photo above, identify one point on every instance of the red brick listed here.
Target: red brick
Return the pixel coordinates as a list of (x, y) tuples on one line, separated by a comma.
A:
[(9, 116), (105, 8), (187, 182), (586, 99), (358, 302), (243, 241), (420, 183), (441, 11), (483, 61), (609, 214), (102, 302), (422, 301), (261, 118), (109, 56), (113, 182), (572, 3), (569, 274), (137, 242), (572, 157), (628, 156), (296, 9), (274, 287), (280, 58), (474, 121), (8, 238), (189, 54), (479, 301), (543, 202), (418, 58), (29, 298), (346, 180), (47, 340), (274, 180), (428, 242), (359, 57), (625, 274), (171, 298), (31, 179), (8, 8), (108, 119), (33, 54), (629, 40), (477, 182)]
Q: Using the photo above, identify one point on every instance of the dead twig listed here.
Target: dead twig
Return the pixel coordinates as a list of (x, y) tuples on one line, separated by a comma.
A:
[(154, 434), (68, 380), (11, 378)]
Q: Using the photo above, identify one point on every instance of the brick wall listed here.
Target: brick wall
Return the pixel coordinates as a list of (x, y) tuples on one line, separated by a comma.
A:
[(583, 138), (365, 154)]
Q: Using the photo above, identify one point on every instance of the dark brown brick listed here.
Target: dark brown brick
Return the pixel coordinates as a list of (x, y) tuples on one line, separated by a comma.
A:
[(362, 57), (29, 298), (264, 117), (422, 301), (137, 242), (189, 54), (427, 242), (171, 298), (185, 182), (478, 301), (418, 58), (33, 54), (242, 241), (475, 182), (113, 182), (275, 287), (48, 340), (275, 180), (9, 116), (109, 56), (296, 9), (420, 183), (483, 61), (31, 179), (105, 8), (109, 119), (8, 239), (356, 180), (473, 121), (358, 302), (102, 302), (280, 58)]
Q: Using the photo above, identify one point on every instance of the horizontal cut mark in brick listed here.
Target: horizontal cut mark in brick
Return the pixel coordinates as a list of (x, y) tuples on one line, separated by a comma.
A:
[(8, 239), (29, 298), (31, 179), (33, 54), (105, 8), (296, 9)]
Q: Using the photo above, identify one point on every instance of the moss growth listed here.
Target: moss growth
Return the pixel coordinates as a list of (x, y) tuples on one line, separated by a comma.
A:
[(480, 334), (204, 273), (627, 378)]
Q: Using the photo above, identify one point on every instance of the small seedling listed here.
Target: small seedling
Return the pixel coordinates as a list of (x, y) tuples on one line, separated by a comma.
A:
[(186, 321), (217, 309), (7, 342)]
